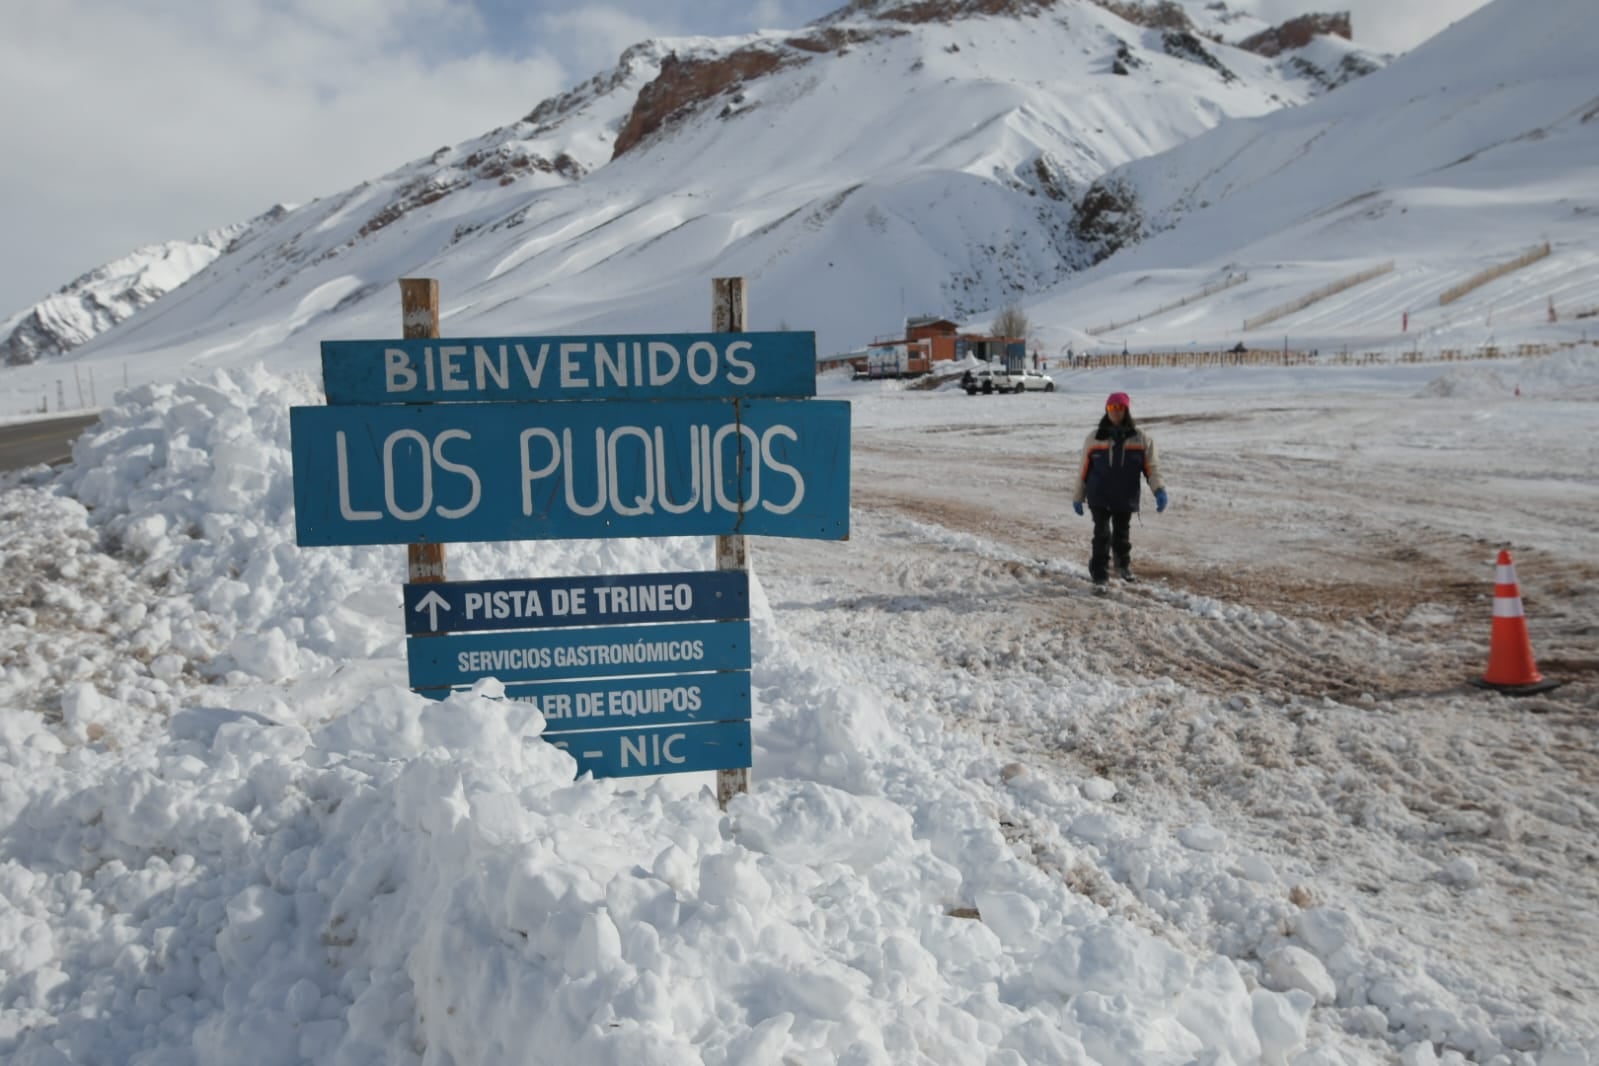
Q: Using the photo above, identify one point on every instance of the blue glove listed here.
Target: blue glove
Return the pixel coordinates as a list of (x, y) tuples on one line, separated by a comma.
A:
[(1077, 505), (1160, 500)]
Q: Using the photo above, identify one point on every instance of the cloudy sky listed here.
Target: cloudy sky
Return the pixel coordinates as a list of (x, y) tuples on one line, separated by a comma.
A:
[(134, 121)]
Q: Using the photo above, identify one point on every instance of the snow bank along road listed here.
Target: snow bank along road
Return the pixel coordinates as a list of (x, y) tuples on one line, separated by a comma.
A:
[(1292, 668)]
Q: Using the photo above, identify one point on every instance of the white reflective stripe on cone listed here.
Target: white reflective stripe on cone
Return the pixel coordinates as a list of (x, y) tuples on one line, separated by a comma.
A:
[(1508, 608), (1505, 575)]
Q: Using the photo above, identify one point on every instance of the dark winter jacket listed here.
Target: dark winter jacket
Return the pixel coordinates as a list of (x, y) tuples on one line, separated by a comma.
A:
[(1115, 458)]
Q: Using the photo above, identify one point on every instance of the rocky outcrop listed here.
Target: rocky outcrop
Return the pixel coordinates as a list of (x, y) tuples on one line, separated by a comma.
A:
[(935, 10), (1108, 219), (1160, 15), (687, 83), (549, 113), (683, 84), (1298, 32), (1181, 44), (501, 164), (1350, 67), (1126, 61)]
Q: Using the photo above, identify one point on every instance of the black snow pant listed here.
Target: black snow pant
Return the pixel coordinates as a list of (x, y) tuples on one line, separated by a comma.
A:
[(1111, 535)]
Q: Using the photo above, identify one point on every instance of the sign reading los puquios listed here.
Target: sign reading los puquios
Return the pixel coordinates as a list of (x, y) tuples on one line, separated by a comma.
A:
[(518, 471), (447, 441)]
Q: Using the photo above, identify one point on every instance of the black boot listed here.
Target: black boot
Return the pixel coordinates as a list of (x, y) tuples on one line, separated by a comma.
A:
[(1125, 572)]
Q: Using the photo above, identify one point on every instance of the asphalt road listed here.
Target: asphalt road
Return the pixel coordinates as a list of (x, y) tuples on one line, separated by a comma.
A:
[(50, 441)]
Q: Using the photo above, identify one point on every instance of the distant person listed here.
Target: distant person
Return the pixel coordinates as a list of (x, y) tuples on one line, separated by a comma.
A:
[(1116, 456)]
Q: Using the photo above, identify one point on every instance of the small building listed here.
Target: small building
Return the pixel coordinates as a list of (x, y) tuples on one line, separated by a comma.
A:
[(926, 342), (929, 340)]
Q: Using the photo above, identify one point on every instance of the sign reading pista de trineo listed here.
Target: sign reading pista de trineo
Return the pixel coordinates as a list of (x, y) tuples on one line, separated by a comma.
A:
[(531, 438)]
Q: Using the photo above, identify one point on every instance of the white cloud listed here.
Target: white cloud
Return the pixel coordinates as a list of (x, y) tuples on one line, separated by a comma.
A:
[(134, 121), (141, 124), (598, 34)]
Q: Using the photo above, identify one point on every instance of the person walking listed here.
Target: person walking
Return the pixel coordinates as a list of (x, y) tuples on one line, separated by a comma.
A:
[(1115, 456)]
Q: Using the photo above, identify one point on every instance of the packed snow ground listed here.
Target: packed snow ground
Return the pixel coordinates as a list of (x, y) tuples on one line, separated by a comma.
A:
[(1247, 810)]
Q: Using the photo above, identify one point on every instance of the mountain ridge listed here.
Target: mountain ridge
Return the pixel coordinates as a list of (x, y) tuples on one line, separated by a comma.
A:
[(1033, 147)]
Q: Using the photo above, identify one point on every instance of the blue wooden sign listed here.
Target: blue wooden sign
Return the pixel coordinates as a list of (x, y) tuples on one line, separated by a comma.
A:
[(485, 472), (669, 750), (592, 600), (615, 702), (603, 651), (651, 366)]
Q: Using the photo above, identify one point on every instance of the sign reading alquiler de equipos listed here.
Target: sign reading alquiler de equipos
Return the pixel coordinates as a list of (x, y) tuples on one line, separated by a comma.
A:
[(622, 698), (435, 441)]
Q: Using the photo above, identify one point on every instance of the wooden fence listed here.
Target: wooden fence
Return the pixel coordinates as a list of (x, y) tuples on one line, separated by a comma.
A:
[(1317, 295), (1209, 290), (1297, 357), (1483, 277)]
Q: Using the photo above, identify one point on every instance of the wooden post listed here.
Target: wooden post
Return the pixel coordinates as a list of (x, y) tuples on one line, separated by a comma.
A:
[(729, 309), (419, 318)]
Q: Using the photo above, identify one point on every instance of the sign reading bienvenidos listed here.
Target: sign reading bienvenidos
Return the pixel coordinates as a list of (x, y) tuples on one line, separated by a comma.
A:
[(667, 366)]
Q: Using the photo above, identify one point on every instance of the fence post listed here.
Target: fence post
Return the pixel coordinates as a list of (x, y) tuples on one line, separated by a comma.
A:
[(419, 319), (729, 311)]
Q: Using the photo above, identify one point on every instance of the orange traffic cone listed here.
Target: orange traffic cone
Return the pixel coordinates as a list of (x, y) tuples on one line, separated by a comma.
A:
[(1511, 668)]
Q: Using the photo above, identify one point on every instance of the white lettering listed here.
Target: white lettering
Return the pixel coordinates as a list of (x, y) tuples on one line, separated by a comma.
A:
[(730, 468), (707, 349), (695, 477), (529, 475), (534, 371), (487, 368), (743, 371), (645, 502), (570, 368), (397, 373), (388, 475), (600, 494), (780, 467), (450, 371), (348, 513), (615, 364), (659, 374), (457, 468)]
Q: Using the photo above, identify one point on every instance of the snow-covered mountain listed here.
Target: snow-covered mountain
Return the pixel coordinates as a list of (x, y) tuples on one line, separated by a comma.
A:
[(93, 303), (888, 159), (1479, 146)]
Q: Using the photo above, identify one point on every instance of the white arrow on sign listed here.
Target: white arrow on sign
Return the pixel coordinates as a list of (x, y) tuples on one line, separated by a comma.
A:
[(431, 604)]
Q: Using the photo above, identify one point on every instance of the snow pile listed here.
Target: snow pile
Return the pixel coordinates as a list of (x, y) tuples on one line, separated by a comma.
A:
[(1570, 375), (280, 846)]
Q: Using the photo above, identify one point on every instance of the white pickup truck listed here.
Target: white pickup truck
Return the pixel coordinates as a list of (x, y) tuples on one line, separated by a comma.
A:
[(995, 378)]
